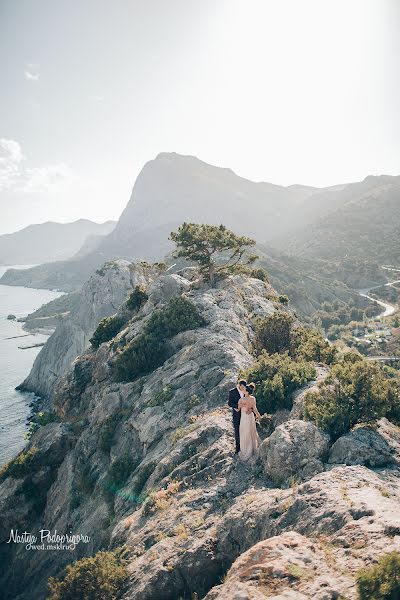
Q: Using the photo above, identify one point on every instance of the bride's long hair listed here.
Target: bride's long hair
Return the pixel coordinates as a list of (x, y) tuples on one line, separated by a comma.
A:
[(250, 388)]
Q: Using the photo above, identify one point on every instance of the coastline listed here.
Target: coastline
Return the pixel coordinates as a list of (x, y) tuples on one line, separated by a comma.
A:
[(15, 363)]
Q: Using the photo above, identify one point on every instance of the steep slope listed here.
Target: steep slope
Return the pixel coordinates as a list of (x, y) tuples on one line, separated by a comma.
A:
[(100, 297), (309, 283), (148, 463), (173, 188), (364, 223), (201, 367), (49, 241)]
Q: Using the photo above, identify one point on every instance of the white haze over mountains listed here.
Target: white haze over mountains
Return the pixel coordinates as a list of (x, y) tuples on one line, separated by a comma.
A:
[(286, 92), (173, 188)]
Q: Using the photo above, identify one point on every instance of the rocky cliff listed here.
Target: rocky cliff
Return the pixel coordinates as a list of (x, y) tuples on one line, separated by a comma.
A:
[(100, 297), (148, 463)]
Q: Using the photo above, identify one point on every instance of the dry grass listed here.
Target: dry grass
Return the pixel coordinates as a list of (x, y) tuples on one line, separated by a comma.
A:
[(182, 432), (181, 532), (162, 499)]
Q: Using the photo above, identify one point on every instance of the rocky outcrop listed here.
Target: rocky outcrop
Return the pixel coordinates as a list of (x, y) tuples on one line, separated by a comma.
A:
[(296, 449), (149, 464), (165, 430), (346, 518), (376, 446), (100, 297), (286, 566), (46, 318)]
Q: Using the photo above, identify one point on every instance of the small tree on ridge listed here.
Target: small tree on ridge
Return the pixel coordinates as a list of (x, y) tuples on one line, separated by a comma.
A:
[(215, 248)]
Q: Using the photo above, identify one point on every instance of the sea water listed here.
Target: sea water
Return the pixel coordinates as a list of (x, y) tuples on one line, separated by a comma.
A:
[(15, 363)]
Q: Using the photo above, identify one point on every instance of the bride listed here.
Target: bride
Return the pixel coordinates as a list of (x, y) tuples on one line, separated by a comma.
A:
[(249, 439)]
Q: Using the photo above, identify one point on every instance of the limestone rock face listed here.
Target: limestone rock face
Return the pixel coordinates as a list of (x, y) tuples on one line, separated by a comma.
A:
[(166, 287), (170, 426), (100, 297), (286, 566), (376, 447), (149, 464), (295, 449)]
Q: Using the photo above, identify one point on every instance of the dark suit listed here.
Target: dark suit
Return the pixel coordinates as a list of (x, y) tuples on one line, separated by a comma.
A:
[(233, 399)]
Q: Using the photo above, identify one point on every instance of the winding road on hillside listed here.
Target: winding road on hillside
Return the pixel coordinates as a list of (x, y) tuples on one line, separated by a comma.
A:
[(388, 309)]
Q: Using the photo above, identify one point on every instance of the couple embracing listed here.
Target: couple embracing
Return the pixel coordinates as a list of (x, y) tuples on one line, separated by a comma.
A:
[(244, 412)]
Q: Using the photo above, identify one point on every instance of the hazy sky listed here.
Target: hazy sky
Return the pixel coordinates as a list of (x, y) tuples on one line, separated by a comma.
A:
[(286, 91)]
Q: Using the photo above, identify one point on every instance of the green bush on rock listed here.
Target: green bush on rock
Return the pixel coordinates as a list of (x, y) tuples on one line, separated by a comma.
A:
[(276, 377), (162, 396), (179, 315), (382, 581), (120, 470), (98, 577), (106, 330), (355, 391), (280, 333), (137, 298), (259, 273), (107, 431), (41, 419), (273, 333), (21, 465), (148, 350)]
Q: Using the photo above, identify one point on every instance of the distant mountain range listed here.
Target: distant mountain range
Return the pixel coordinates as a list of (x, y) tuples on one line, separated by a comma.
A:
[(363, 221), (50, 241), (357, 220)]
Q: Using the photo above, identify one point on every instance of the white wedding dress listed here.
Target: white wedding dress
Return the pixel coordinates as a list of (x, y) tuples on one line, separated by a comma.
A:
[(249, 439)]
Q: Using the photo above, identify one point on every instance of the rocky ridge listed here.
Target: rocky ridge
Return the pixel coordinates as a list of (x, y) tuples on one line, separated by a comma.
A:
[(149, 464), (100, 297)]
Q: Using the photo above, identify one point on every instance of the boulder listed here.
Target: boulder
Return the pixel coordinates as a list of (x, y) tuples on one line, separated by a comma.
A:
[(295, 449), (373, 447), (166, 287)]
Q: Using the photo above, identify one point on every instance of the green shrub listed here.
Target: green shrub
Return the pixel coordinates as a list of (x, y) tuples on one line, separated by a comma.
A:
[(107, 329), (144, 354), (273, 333), (355, 391), (283, 299), (308, 344), (163, 395), (21, 465), (179, 315), (382, 581), (148, 350), (280, 333), (107, 432), (276, 377), (39, 420), (137, 298), (259, 273), (36, 492), (194, 400), (98, 577), (120, 470)]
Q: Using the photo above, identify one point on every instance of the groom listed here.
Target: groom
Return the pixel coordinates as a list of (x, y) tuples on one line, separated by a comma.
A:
[(233, 398)]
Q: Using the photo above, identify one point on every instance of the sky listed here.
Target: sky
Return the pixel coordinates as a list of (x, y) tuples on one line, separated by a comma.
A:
[(285, 91)]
